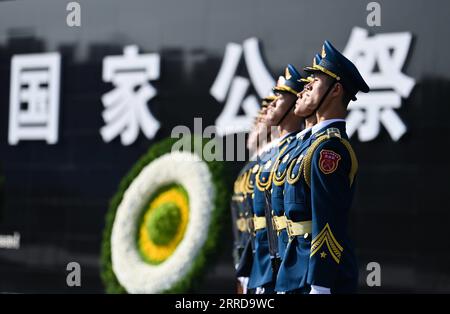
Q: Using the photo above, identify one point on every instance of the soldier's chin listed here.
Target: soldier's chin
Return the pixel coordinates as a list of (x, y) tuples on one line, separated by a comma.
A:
[(298, 111), (270, 117), (270, 122)]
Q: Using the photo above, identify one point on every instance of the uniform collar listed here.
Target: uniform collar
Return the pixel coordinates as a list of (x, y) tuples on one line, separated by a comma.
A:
[(301, 134), (268, 146), (323, 124), (287, 137)]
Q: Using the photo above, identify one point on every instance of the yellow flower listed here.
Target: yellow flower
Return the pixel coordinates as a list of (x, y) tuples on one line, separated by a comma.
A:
[(151, 251)]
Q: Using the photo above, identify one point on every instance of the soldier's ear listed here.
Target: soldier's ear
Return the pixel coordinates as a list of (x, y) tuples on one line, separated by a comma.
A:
[(337, 90), (345, 96)]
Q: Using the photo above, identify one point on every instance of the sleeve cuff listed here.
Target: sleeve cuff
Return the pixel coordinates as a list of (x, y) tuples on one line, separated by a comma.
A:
[(319, 290)]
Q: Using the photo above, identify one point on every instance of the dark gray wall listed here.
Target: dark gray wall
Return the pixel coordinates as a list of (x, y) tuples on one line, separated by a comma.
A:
[(401, 212)]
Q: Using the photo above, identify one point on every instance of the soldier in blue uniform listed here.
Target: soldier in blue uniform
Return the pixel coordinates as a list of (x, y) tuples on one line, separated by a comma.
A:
[(280, 170), (319, 257), (279, 113), (257, 139), (242, 202)]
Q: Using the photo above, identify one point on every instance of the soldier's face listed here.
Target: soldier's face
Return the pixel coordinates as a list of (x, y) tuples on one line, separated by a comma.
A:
[(263, 116), (301, 109), (279, 106), (263, 111), (309, 98)]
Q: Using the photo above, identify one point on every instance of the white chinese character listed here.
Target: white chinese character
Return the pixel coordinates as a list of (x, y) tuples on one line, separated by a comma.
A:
[(126, 108), (387, 53), (34, 98), (236, 87)]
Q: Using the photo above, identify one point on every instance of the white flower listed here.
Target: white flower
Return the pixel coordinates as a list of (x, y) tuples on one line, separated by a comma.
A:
[(133, 273)]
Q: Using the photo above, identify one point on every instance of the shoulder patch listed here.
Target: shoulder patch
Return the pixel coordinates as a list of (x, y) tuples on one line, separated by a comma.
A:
[(329, 160), (333, 132)]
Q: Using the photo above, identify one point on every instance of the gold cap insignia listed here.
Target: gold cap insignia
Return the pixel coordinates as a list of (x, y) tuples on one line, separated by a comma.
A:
[(287, 74), (281, 81)]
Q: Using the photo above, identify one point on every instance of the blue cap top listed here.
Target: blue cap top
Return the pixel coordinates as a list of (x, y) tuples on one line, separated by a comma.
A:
[(291, 82), (267, 100), (336, 65)]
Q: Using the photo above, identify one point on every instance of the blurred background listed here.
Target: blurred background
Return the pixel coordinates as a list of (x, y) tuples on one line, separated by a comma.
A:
[(56, 185)]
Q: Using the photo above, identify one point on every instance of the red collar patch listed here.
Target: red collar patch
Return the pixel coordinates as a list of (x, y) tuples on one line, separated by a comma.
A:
[(328, 161)]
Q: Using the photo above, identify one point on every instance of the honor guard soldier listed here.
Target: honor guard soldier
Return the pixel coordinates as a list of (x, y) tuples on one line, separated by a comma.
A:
[(257, 139), (242, 203), (319, 257), (280, 170), (279, 114)]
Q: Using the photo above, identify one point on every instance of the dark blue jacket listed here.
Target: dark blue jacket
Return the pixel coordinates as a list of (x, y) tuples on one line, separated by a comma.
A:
[(245, 183), (261, 273), (278, 182), (323, 193)]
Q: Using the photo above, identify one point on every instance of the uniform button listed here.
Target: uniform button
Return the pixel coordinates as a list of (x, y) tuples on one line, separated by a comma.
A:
[(306, 235)]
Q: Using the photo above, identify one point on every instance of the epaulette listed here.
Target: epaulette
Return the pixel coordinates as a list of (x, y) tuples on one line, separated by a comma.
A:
[(264, 183), (279, 177)]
